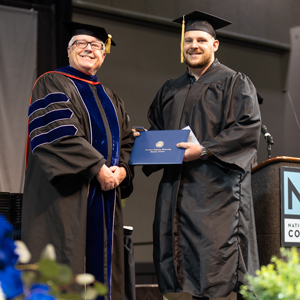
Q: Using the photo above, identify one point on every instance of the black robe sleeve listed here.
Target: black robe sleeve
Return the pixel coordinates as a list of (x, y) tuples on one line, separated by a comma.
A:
[(236, 144)]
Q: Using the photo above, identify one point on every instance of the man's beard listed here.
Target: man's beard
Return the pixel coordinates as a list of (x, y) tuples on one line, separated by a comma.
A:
[(199, 64)]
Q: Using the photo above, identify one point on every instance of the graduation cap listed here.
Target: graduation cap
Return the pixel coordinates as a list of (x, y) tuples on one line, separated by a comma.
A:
[(198, 20), (74, 28)]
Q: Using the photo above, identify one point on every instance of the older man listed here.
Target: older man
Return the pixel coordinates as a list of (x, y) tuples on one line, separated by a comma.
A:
[(80, 142), (204, 231)]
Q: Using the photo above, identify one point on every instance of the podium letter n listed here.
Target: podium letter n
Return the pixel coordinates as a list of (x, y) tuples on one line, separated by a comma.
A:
[(292, 189)]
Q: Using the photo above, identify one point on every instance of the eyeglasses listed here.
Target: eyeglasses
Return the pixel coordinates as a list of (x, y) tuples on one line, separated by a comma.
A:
[(83, 44)]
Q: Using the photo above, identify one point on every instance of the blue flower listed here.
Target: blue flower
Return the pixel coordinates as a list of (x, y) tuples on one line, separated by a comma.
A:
[(10, 280), (5, 228), (40, 287), (39, 292), (8, 257)]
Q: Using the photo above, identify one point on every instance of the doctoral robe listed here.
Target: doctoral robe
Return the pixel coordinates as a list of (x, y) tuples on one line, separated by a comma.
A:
[(204, 231), (75, 126)]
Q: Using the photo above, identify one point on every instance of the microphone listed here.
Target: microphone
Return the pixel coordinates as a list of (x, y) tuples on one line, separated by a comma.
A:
[(267, 135)]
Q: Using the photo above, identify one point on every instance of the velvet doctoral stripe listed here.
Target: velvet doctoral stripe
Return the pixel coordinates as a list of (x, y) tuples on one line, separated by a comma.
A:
[(52, 135), (109, 196), (101, 205), (48, 118), (45, 102), (40, 116)]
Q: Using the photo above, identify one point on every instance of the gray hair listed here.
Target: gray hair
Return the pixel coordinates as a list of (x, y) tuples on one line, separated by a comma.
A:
[(71, 41)]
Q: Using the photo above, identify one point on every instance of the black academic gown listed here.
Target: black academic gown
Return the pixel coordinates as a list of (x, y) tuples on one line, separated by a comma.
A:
[(204, 231), (58, 203)]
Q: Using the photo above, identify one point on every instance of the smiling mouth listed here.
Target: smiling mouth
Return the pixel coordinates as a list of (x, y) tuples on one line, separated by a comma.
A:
[(194, 53), (86, 56)]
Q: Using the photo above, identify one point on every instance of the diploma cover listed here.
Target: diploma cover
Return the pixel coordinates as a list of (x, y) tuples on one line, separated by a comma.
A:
[(157, 147)]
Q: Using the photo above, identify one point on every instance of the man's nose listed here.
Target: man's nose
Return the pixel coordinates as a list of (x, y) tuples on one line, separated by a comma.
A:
[(194, 44), (88, 47)]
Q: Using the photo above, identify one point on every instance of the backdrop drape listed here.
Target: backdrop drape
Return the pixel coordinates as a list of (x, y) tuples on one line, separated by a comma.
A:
[(18, 61)]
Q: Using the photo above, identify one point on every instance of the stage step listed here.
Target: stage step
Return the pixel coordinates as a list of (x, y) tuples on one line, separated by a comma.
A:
[(148, 292)]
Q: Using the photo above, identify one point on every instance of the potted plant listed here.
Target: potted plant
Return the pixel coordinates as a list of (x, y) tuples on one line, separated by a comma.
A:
[(278, 280)]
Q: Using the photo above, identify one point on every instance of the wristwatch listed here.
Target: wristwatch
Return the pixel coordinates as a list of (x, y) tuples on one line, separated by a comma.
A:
[(204, 154)]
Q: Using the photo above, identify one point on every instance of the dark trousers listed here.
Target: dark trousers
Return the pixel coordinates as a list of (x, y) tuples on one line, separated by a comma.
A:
[(239, 297)]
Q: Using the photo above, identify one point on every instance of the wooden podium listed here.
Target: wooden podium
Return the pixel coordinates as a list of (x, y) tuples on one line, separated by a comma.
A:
[(267, 204)]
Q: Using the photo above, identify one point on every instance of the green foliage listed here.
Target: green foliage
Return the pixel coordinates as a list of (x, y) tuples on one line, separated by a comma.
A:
[(278, 280), (100, 288), (61, 282)]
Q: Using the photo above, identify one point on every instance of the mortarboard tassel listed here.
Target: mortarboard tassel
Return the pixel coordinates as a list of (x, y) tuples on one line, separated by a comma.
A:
[(108, 44), (182, 39)]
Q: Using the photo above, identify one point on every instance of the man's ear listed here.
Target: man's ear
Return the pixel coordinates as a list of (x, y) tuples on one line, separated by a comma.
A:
[(69, 50), (215, 45)]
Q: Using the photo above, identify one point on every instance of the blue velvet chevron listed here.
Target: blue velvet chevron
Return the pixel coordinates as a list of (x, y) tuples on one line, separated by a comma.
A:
[(45, 117)]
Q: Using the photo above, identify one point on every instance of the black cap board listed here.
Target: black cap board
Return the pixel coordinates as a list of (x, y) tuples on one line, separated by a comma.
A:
[(198, 20), (74, 28)]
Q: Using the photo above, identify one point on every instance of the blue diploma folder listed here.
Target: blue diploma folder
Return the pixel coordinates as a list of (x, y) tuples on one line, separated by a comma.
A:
[(157, 147)]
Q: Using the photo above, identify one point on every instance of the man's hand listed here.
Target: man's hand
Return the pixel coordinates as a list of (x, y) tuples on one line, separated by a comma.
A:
[(119, 172), (135, 132), (192, 151), (137, 129), (107, 179)]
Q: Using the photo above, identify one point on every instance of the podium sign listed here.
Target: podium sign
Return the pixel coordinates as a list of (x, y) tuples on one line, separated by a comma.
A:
[(290, 206)]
